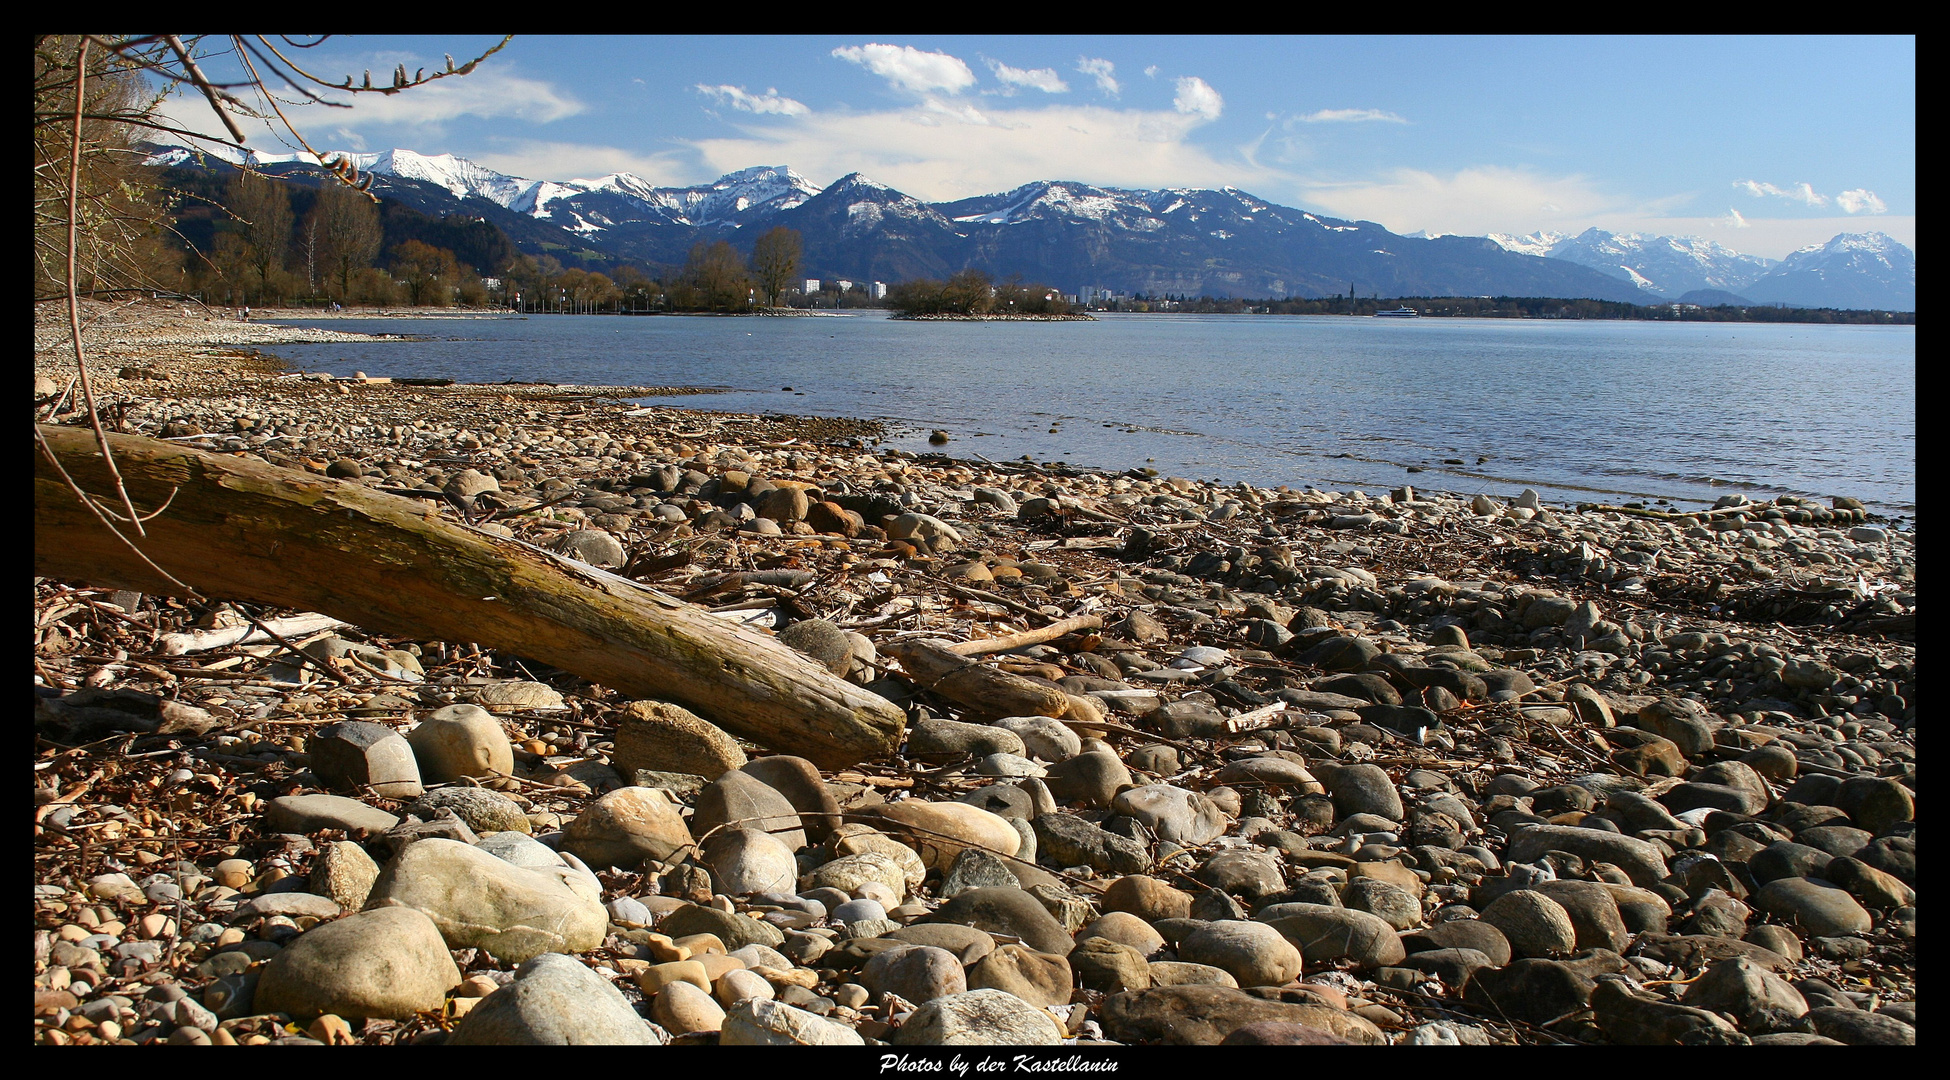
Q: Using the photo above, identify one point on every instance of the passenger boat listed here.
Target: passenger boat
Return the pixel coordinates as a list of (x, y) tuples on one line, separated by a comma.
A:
[(1403, 312)]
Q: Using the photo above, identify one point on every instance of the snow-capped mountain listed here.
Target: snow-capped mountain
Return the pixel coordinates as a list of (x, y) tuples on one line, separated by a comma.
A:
[(1666, 266), (1853, 270)]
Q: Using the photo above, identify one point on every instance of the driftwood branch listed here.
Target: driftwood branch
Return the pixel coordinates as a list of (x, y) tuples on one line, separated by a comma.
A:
[(240, 529), (1011, 642)]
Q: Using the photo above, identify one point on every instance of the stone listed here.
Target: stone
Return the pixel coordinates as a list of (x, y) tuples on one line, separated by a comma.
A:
[(389, 964), (747, 861), (1092, 778), (1452, 966), (968, 944), (979, 1018), (742, 984), (1869, 885), (1390, 903), (1875, 802), (734, 930), (821, 640), (1821, 909), (657, 978), (555, 1001), (977, 868), (917, 974), (1173, 814), (798, 780), (344, 873), (1534, 991), (518, 695), (756, 1022), (1007, 911), (1180, 973), (1787, 859), (940, 740), (1857, 1027), (1642, 862), (523, 851), (1361, 789), (1043, 737), (1109, 967), (1472, 934), (850, 872), (461, 740), (483, 810), (1148, 898), (592, 546), (311, 813), (627, 826), (1254, 954), (1125, 929), (741, 800), (1206, 1015), (1633, 1018), (356, 754), (662, 737), (290, 904), (478, 900), (1534, 924), (1072, 841), (681, 1008), (1593, 910), (1323, 933), (1251, 874), (941, 830), (1756, 998), (1040, 978)]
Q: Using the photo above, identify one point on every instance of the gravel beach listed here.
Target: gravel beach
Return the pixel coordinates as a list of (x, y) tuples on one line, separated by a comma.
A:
[(1315, 767)]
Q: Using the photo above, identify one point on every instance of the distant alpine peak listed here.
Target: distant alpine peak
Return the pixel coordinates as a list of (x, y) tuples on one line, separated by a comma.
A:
[(1538, 243), (1873, 243)]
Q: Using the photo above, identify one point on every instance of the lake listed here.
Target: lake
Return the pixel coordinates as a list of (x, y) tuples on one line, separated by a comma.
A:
[(1578, 410)]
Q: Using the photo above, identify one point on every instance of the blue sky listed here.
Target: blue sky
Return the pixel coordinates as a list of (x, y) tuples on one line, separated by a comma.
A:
[(1764, 144)]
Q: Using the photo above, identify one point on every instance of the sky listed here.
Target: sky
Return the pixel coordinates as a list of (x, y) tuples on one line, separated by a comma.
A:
[(1763, 144)]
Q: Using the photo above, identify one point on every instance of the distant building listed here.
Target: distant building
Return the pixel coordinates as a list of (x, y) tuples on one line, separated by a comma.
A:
[(812, 285), (845, 285), (878, 290)]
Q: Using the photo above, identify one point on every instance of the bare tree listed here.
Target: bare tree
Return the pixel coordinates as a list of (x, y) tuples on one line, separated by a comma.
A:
[(261, 209), (775, 262), (718, 271), (347, 226)]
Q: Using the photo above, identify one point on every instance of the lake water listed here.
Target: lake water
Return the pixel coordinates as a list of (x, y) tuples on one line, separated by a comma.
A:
[(1580, 411)]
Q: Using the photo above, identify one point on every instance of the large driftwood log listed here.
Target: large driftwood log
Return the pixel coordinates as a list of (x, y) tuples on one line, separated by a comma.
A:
[(984, 689), (236, 528)]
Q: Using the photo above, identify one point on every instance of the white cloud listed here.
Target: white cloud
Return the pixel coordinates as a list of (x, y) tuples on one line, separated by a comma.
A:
[(1861, 201), (1101, 71), (1350, 116), (1044, 79), (1735, 221), (1195, 97), (910, 69), (1472, 201), (1801, 193), (768, 102), (1151, 72), (919, 153)]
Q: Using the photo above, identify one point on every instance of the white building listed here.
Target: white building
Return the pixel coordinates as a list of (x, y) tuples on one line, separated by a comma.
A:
[(878, 290), (812, 285), (845, 285)]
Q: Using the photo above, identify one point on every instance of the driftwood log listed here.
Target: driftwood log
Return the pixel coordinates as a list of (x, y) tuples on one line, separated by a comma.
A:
[(236, 528)]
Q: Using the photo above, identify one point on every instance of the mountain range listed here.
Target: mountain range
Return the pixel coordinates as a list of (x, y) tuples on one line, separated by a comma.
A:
[(1188, 241)]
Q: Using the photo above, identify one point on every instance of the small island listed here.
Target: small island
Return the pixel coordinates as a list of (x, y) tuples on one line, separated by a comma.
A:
[(970, 296)]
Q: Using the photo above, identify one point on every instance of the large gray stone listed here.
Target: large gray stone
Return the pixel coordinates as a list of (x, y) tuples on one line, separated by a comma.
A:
[(1173, 814), (1206, 1015), (461, 740), (916, 975), (746, 861), (1759, 999), (1640, 860), (1071, 841), (1534, 924), (1361, 789), (1255, 954), (662, 737), (555, 1001), (483, 810), (761, 1022), (479, 900), (389, 963), (798, 780), (1820, 908), (740, 800), (1325, 933), (627, 826), (354, 754), (979, 1018), (310, 813), (1007, 911)]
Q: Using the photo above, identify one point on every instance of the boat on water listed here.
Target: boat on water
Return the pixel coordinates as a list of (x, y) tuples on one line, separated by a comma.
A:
[(1403, 312)]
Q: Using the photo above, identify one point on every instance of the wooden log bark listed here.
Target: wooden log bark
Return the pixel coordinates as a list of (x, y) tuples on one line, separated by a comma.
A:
[(237, 528), (979, 687), (1010, 642)]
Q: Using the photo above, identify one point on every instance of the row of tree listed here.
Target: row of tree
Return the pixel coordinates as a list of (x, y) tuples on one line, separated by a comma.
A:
[(971, 292)]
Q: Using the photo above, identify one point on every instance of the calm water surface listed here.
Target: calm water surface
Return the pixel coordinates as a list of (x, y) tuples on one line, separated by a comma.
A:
[(1578, 410)]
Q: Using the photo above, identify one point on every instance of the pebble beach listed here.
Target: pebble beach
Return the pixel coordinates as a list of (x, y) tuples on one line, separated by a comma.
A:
[(1316, 767)]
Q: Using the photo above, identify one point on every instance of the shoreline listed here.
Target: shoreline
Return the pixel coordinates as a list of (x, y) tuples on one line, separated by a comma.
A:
[(1456, 672)]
